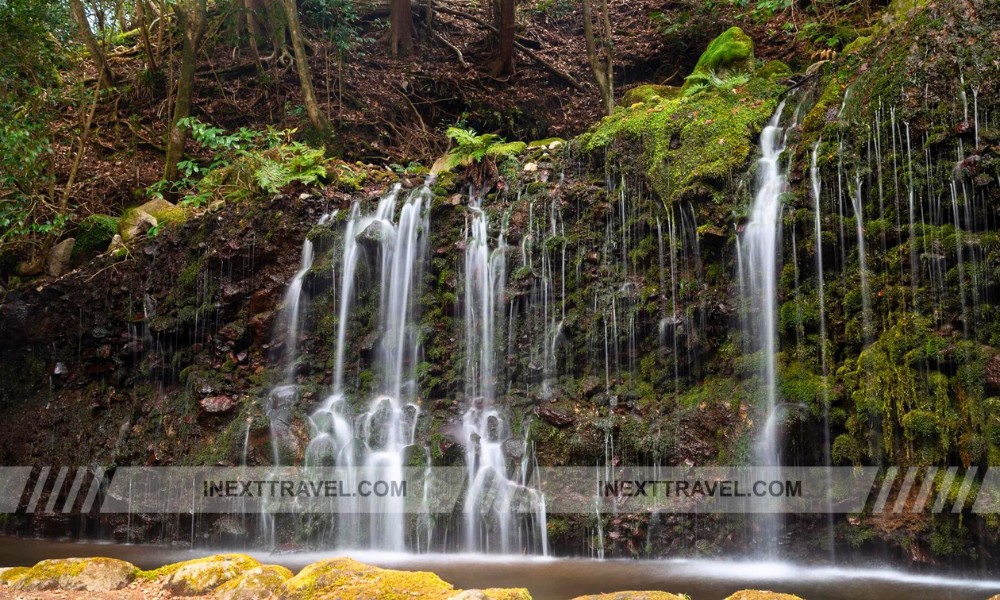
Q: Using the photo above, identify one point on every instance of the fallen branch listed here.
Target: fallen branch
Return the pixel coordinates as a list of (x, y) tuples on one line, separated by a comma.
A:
[(461, 59), (551, 68)]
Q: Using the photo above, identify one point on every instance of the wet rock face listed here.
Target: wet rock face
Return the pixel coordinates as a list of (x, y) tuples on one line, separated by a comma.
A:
[(217, 404)]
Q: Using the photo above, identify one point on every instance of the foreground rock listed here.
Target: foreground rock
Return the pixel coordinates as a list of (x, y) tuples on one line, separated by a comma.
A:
[(258, 582), (73, 574), (202, 575), (241, 577), (761, 595), (633, 596)]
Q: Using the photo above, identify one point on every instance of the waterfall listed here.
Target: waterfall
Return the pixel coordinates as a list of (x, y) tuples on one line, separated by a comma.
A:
[(759, 256), (379, 437), (490, 521), (866, 302)]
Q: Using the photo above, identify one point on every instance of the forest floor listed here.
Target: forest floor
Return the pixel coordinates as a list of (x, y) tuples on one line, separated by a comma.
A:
[(394, 110)]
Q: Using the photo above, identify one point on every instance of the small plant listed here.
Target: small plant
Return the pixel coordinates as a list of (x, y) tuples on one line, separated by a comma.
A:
[(241, 163), (472, 148), (716, 81)]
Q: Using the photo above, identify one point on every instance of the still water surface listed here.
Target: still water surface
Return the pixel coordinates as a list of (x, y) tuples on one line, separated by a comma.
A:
[(560, 579)]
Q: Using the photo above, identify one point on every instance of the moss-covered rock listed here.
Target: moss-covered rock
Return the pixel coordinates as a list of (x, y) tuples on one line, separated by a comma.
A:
[(761, 595), (74, 574), (161, 211), (346, 579), (10, 574), (633, 596), (775, 69), (202, 575), (256, 584), (649, 91), (693, 146), (731, 52), (93, 235), (493, 594)]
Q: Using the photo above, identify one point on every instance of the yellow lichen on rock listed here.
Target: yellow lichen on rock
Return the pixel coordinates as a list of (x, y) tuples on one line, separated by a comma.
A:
[(634, 595), (258, 583), (761, 595), (202, 575), (73, 574), (493, 594), (347, 579)]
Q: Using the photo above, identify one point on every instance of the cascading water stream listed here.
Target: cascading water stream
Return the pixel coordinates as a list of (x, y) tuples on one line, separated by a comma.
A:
[(490, 523), (759, 256), (379, 437)]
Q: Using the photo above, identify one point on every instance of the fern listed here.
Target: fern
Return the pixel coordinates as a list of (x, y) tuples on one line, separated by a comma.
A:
[(471, 148), (294, 163)]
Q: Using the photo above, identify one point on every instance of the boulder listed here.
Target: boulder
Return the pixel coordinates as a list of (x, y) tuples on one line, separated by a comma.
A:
[(259, 583), (493, 594), (731, 52), (57, 261), (73, 574), (202, 575), (761, 595), (347, 579), (159, 212), (633, 596), (555, 417), (135, 224)]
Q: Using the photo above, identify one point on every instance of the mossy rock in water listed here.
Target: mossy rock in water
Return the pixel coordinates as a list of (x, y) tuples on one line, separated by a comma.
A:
[(775, 69), (202, 575), (346, 579), (731, 52), (73, 574), (649, 91), (761, 595), (633, 596), (93, 235), (259, 582)]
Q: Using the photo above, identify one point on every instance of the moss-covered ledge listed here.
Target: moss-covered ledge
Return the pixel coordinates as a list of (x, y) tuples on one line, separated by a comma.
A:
[(693, 145)]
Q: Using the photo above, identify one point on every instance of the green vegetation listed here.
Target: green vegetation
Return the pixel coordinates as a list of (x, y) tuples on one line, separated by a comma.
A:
[(471, 148)]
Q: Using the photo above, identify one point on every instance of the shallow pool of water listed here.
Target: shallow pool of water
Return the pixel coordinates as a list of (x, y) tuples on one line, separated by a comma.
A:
[(560, 579)]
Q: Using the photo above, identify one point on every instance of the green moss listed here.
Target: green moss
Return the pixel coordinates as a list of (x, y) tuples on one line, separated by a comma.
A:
[(846, 450), (731, 52), (775, 69), (693, 146), (93, 235), (649, 92)]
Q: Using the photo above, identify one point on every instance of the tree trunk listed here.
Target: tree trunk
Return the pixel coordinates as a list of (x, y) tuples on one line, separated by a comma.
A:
[(507, 27), (316, 116), (191, 16), (253, 32), (600, 66), (400, 28), (140, 13), (80, 16)]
